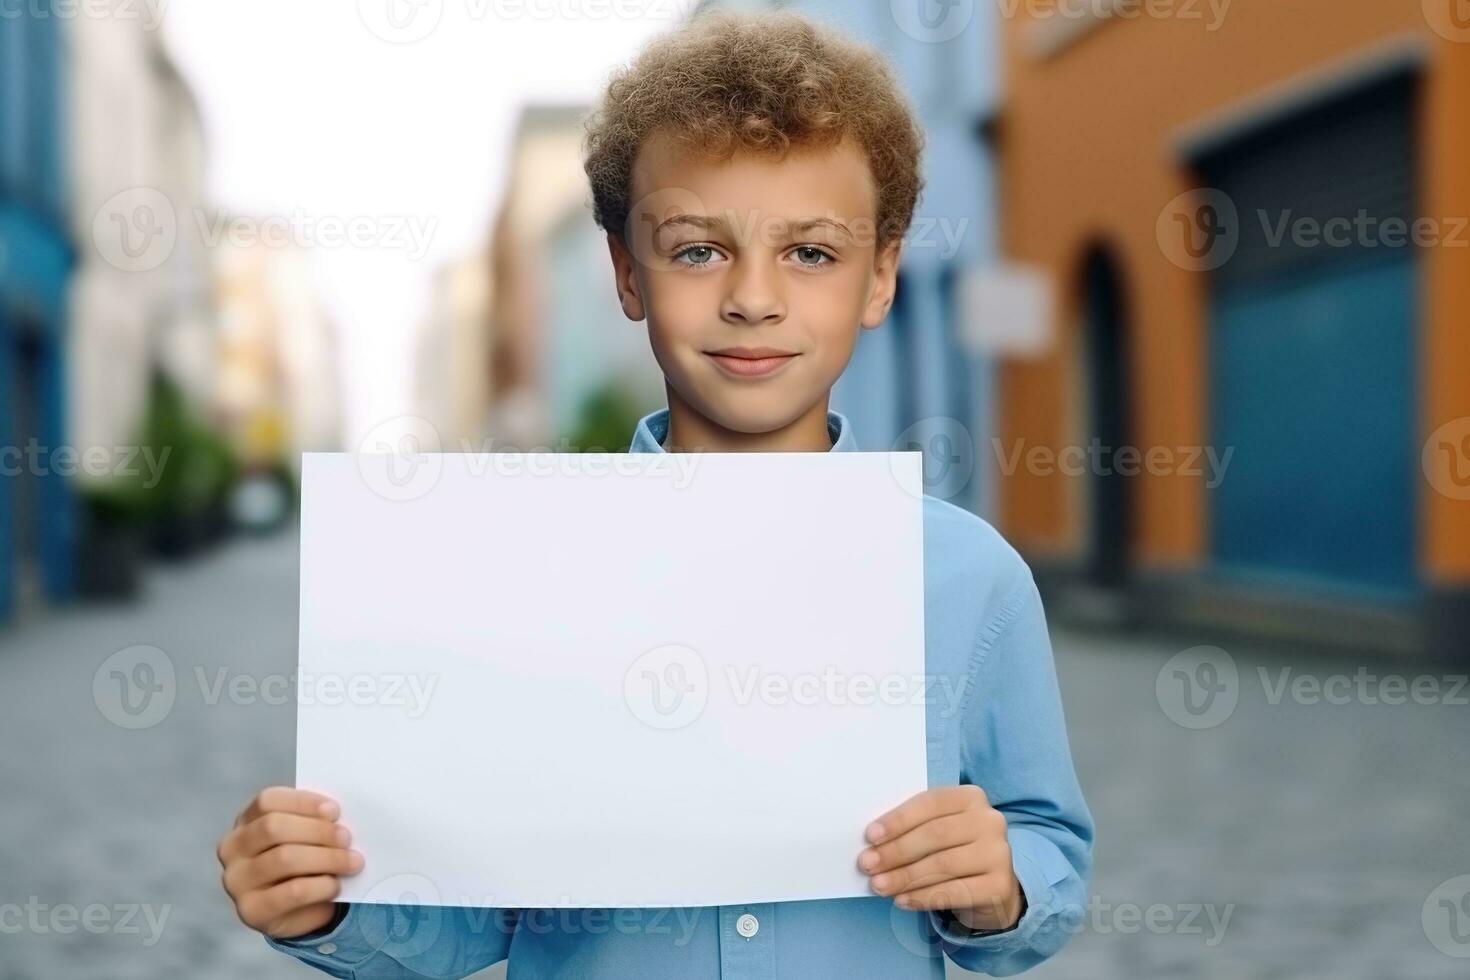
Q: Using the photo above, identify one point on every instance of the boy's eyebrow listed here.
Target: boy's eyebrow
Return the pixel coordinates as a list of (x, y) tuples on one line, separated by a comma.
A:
[(701, 221), (709, 223)]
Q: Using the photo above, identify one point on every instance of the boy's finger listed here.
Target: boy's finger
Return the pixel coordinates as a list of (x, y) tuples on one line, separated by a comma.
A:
[(291, 861), (960, 861), (922, 808), (960, 893), (287, 799), (302, 921), (264, 908), (274, 829), (938, 834)]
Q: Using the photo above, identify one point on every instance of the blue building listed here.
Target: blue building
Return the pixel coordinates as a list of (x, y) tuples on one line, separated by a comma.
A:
[(912, 383), (37, 514)]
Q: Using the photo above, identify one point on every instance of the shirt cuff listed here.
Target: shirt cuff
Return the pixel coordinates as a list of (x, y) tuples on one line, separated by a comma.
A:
[(1035, 891), (347, 946)]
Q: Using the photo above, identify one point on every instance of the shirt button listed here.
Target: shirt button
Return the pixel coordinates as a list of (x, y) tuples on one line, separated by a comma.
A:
[(327, 949), (747, 925)]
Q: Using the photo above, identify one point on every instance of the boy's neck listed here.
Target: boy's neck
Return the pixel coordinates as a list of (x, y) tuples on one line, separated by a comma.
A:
[(689, 431)]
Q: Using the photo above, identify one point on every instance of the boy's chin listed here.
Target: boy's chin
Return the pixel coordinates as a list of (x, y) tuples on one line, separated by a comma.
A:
[(754, 414)]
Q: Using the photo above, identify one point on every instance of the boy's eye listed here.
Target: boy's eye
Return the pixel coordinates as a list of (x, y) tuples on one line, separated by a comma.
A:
[(811, 256), (696, 255)]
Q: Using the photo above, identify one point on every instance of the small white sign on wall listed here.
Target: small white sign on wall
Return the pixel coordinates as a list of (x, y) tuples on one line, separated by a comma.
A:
[(1006, 310)]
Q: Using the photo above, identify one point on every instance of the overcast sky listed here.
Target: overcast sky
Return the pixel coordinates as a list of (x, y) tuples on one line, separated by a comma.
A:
[(348, 109)]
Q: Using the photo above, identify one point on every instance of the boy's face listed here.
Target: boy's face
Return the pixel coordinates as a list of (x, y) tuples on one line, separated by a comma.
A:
[(755, 276)]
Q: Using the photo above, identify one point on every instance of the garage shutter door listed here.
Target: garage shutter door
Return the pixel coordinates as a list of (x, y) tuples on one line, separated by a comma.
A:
[(1313, 349)]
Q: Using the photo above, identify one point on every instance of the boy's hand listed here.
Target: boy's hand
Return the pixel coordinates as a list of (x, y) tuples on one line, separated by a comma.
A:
[(282, 859), (946, 848)]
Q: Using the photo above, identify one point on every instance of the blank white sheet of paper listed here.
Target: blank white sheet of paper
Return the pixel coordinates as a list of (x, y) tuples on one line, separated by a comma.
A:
[(611, 680)]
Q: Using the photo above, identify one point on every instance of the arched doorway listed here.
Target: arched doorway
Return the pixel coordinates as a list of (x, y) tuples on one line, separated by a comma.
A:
[(1107, 419)]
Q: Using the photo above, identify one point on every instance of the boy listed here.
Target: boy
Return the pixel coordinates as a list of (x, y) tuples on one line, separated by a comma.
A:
[(755, 176)]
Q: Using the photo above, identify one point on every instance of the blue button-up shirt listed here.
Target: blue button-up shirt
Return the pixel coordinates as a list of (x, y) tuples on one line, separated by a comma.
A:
[(985, 637)]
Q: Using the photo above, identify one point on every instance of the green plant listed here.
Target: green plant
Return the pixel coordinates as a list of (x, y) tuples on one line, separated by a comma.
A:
[(606, 419), (198, 467)]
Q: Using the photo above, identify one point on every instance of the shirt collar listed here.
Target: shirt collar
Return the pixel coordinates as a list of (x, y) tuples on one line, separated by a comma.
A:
[(654, 428)]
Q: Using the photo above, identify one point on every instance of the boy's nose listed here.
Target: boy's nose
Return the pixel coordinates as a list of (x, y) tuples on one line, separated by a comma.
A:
[(753, 297)]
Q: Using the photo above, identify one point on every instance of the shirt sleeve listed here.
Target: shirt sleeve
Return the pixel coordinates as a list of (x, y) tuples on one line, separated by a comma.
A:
[(1014, 747), (436, 942)]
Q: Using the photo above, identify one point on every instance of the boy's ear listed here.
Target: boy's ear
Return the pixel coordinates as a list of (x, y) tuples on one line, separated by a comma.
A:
[(885, 284), (625, 278)]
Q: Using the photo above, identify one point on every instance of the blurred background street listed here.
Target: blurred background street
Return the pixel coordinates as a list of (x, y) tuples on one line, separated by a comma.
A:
[(1290, 840), (1184, 313)]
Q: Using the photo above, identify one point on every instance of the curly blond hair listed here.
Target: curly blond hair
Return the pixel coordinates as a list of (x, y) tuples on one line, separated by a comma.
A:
[(755, 83)]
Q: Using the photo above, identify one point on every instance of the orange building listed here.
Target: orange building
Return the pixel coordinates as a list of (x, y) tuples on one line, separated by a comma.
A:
[(1256, 397)]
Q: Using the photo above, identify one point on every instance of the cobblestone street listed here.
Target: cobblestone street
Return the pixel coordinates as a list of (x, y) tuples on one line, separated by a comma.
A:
[(1293, 840)]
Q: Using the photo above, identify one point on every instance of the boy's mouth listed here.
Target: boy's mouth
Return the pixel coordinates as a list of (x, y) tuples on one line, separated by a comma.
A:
[(750, 362)]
